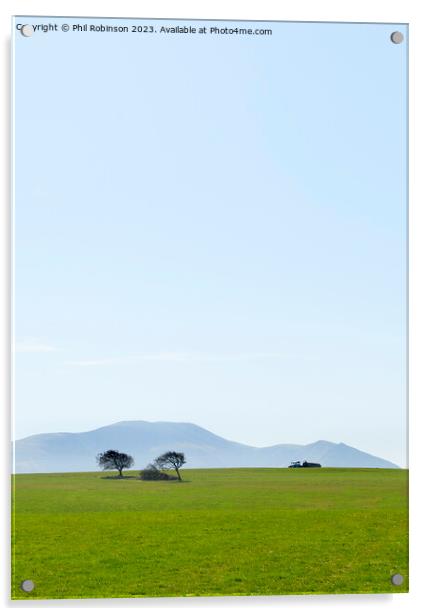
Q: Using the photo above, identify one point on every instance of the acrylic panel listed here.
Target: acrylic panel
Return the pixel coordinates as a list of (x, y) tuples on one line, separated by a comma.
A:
[(209, 308)]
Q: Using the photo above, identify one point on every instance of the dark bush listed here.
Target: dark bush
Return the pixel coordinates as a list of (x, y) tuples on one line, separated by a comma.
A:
[(152, 473)]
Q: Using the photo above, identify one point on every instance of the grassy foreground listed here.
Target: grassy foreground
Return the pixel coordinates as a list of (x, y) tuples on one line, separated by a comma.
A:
[(219, 532)]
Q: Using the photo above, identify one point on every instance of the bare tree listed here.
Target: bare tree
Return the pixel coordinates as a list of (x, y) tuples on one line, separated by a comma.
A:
[(114, 459), (171, 460)]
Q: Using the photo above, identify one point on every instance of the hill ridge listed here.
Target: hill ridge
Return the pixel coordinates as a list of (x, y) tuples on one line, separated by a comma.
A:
[(144, 440)]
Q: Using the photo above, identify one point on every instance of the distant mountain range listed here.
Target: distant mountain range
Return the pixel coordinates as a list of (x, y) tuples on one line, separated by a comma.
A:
[(144, 440)]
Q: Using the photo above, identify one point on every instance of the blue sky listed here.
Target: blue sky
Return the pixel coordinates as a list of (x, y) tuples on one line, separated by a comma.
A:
[(213, 229)]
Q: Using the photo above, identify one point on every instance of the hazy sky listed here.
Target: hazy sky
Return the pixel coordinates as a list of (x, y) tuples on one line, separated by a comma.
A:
[(212, 228)]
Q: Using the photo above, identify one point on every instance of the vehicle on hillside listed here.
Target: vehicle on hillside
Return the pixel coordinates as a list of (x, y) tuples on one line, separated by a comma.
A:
[(304, 464)]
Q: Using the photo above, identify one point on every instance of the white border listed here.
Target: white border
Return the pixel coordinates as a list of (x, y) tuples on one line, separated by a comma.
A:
[(394, 11)]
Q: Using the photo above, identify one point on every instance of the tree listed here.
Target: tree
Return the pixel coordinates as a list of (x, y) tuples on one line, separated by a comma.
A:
[(171, 460), (114, 459)]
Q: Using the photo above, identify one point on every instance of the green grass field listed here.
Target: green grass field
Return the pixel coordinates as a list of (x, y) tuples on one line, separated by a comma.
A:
[(219, 532)]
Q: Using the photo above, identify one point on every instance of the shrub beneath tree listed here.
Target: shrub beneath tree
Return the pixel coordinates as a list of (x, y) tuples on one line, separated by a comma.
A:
[(153, 473)]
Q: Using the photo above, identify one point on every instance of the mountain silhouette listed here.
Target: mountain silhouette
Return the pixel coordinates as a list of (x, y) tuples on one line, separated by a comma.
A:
[(144, 440)]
